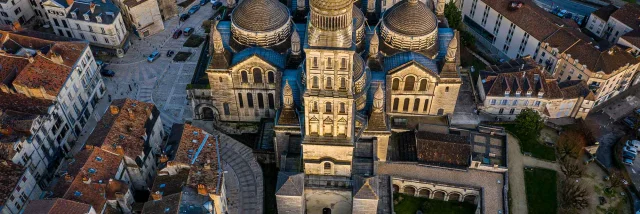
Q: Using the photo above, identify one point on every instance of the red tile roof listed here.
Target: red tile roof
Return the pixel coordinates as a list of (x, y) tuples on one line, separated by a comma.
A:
[(10, 174), (628, 15), (57, 206), (198, 149)]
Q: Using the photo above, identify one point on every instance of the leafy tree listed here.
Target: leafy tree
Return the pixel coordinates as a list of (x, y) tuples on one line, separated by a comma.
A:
[(572, 168), (573, 196), (528, 124), (467, 39), (453, 15), (570, 144)]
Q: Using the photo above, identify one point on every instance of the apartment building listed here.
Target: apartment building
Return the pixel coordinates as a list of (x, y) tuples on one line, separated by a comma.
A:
[(49, 87), (519, 84), (597, 21), (17, 187), (143, 16), (617, 25), (193, 177), (15, 11), (132, 129), (98, 21), (564, 51)]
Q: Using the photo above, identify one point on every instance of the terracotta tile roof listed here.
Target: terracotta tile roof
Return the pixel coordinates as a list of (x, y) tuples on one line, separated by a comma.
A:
[(633, 38), (199, 149), (605, 12), (44, 73), (9, 66), (168, 204), (628, 15), (537, 22), (170, 188), (10, 174), (607, 61), (56, 206), (125, 127), (575, 89), (22, 103), (72, 169), (443, 150), (512, 77)]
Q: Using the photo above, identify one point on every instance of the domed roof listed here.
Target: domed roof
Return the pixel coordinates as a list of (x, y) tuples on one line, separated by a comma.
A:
[(331, 4), (357, 14), (411, 17), (260, 15)]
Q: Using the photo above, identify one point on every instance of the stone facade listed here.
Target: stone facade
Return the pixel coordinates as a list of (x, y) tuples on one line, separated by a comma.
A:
[(142, 16)]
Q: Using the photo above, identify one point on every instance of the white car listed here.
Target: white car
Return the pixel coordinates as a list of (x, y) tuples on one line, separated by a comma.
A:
[(213, 1), (630, 149), (633, 143)]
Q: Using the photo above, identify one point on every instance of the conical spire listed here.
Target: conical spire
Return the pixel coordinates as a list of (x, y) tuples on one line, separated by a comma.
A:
[(378, 100), (287, 95), (295, 42), (216, 38), (374, 44), (452, 50)]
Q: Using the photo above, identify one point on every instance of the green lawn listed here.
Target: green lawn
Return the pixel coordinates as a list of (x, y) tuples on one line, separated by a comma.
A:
[(193, 41), (537, 149), (541, 186), (410, 204), (181, 56)]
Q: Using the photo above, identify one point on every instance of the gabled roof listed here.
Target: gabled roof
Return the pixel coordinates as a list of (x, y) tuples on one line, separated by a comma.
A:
[(57, 206), (199, 150), (628, 15), (393, 62), (444, 150), (290, 184), (365, 188), (605, 12), (268, 55)]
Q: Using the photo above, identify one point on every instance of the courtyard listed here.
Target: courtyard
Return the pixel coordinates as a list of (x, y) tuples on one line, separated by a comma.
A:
[(405, 204)]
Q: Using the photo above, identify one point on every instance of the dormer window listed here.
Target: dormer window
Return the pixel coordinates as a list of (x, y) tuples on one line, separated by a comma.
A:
[(529, 93), (74, 14), (99, 18), (506, 93), (86, 16), (518, 92), (540, 94)]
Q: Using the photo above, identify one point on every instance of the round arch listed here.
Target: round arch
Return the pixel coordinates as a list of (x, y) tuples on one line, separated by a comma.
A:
[(424, 192), (409, 190), (439, 195), (454, 196), (470, 199), (207, 112)]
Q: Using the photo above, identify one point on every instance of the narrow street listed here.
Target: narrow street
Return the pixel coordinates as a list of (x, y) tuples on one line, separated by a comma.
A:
[(569, 5)]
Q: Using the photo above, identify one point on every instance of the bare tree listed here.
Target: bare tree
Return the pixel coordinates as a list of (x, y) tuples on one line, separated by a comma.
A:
[(573, 196), (572, 168), (616, 179), (570, 144)]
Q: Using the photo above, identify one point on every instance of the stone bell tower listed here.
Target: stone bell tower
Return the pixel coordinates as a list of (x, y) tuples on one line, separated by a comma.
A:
[(329, 96)]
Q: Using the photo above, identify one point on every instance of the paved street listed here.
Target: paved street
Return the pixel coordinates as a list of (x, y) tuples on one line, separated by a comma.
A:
[(571, 6)]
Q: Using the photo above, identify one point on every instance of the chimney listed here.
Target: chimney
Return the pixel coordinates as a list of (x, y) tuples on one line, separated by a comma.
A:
[(57, 58), (68, 178), (610, 51), (157, 195), (92, 7), (202, 189), (114, 109), (86, 180), (6, 131), (131, 116), (207, 165), (119, 150), (31, 59), (16, 26), (163, 158), (88, 147)]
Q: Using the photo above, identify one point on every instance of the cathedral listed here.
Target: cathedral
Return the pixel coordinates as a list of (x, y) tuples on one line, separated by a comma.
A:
[(334, 83)]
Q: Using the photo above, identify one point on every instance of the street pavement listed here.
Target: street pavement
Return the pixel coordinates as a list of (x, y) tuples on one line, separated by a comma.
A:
[(569, 5)]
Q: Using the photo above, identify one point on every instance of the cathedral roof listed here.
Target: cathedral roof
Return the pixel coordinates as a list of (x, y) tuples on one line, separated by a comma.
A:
[(411, 18), (331, 4), (260, 15), (399, 59), (268, 55), (290, 184)]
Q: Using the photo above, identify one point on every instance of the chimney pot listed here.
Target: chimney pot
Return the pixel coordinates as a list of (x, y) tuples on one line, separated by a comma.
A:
[(120, 150), (157, 195)]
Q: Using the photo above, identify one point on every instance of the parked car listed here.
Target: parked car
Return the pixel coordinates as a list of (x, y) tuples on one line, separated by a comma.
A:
[(203, 2), (188, 31), (177, 34), (194, 9), (170, 53), (628, 161), (107, 73), (634, 144), (184, 17), (155, 55), (630, 121), (630, 149), (214, 1), (216, 5), (628, 155), (562, 13)]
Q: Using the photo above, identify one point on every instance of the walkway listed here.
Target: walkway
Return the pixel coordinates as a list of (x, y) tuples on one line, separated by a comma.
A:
[(516, 165)]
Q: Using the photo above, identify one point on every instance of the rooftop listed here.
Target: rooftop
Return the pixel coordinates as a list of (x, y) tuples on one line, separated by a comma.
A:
[(200, 150), (106, 11), (124, 127), (445, 150), (605, 12), (519, 75), (628, 15), (56, 206), (10, 174)]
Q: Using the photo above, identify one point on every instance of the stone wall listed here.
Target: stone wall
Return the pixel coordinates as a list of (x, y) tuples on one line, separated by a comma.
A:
[(340, 158)]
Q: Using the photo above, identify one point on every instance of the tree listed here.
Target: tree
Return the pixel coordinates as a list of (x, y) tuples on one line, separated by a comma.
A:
[(572, 168), (453, 15), (467, 39), (570, 144), (528, 124), (573, 196)]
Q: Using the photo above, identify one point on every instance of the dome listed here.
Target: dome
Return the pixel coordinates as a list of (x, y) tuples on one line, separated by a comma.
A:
[(260, 15), (411, 18), (331, 4)]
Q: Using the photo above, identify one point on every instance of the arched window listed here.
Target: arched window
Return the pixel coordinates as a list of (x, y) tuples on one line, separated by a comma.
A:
[(396, 84), (395, 104), (327, 166), (343, 83), (315, 107), (343, 63), (423, 85), (240, 101), (270, 77), (220, 78), (245, 79), (327, 107), (315, 82), (260, 101), (408, 84), (405, 106), (446, 89), (342, 108), (326, 211), (440, 111), (250, 100), (271, 101), (426, 105), (329, 83), (257, 75), (416, 105)]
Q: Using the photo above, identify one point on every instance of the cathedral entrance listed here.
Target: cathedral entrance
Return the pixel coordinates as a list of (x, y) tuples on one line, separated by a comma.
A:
[(326, 211), (208, 113)]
